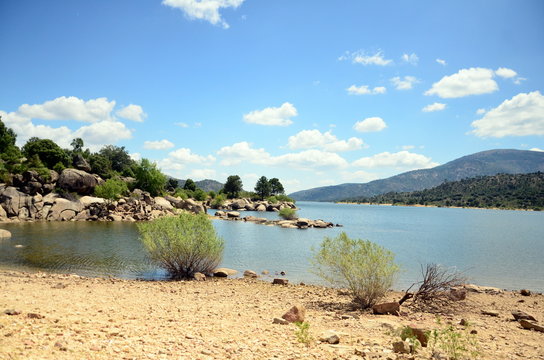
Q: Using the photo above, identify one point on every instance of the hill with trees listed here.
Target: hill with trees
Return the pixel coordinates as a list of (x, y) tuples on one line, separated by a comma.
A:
[(503, 191), (484, 163)]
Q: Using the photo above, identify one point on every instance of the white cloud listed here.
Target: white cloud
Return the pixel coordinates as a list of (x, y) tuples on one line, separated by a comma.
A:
[(371, 124), (522, 115), (434, 107), (364, 90), (135, 156), (202, 174), (307, 139), (536, 149), (362, 57), (473, 81), (70, 108), (480, 111), (401, 159), (185, 155), (158, 145), (132, 112), (441, 62), (207, 10), (404, 84), (505, 73), (308, 159), (104, 128), (410, 58), (272, 116)]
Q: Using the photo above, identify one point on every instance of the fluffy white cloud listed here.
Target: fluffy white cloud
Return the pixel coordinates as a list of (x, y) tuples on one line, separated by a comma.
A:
[(536, 149), (364, 90), (410, 58), (158, 145), (207, 10), (135, 156), (473, 81), (25, 129), (371, 124), (70, 108), (102, 133), (441, 62), (434, 107), (132, 112), (307, 139), (202, 174), (308, 159), (362, 57), (505, 73), (178, 159), (401, 159), (272, 116), (522, 115), (404, 84)]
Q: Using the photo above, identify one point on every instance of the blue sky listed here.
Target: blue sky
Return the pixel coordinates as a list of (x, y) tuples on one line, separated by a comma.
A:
[(312, 92)]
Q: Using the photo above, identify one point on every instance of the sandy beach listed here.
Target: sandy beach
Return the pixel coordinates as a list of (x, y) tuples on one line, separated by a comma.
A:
[(57, 316)]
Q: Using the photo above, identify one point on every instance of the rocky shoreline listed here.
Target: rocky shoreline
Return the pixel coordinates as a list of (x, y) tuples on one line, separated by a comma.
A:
[(55, 316)]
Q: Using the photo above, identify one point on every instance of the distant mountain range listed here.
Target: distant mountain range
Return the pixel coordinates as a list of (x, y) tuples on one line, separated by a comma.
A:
[(206, 185), (484, 163)]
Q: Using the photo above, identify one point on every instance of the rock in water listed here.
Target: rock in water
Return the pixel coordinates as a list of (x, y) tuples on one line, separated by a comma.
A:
[(4, 234)]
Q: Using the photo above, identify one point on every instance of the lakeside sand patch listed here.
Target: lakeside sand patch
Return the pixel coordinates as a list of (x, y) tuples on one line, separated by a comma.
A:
[(97, 318)]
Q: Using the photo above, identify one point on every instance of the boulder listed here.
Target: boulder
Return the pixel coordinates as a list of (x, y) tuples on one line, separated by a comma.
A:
[(3, 213), (238, 204), (280, 281), (250, 273), (4, 234), (224, 272), (175, 201), (330, 337), (163, 203), (483, 289), (529, 325), (64, 209), (520, 315), (525, 292), (81, 164), (392, 308), (77, 181), (233, 214), (296, 314), (401, 347), (199, 276), (493, 313), (302, 222), (260, 207), (13, 200), (50, 198), (87, 201)]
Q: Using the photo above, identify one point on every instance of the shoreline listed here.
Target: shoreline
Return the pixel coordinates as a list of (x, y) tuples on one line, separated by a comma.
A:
[(69, 316), (433, 206)]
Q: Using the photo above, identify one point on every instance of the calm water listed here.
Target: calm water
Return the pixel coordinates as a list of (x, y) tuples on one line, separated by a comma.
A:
[(496, 248)]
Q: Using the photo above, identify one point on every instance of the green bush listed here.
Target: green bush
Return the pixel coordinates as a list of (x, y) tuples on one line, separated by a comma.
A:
[(218, 201), (181, 194), (272, 199), (365, 268), (285, 198), (183, 245), (149, 178), (200, 195), (111, 189), (288, 214), (456, 344)]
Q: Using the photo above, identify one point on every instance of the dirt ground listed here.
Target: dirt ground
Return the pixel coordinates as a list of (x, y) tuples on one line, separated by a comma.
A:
[(56, 316)]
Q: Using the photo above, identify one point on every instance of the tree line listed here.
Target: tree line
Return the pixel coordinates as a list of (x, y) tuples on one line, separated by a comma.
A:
[(503, 191)]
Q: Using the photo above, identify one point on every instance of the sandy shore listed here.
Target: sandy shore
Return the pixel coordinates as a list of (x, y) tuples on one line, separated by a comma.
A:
[(70, 317)]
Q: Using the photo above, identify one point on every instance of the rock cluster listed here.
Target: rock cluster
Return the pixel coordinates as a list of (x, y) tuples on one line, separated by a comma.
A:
[(31, 198), (249, 205), (299, 223)]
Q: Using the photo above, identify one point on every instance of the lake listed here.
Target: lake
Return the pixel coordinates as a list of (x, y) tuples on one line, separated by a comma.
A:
[(491, 247)]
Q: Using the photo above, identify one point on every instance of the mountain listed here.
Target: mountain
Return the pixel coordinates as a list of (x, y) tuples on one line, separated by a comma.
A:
[(505, 191), (484, 163), (206, 185)]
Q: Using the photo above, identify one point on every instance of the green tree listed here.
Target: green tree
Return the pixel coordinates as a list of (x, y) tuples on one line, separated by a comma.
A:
[(189, 185), (119, 158), (276, 188), (47, 150), (77, 145), (150, 178), (7, 137), (111, 189), (183, 245), (262, 187), (233, 186), (365, 268), (100, 165), (172, 184), (9, 152)]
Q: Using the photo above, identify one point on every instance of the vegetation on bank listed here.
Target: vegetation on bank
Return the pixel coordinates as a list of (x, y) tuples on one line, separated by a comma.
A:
[(502, 191), (121, 173)]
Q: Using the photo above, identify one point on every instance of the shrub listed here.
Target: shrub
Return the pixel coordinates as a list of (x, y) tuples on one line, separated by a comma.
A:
[(288, 214), (272, 199), (365, 268), (218, 201), (149, 178), (182, 245), (303, 332), (181, 194), (285, 198), (455, 344), (111, 189), (200, 195)]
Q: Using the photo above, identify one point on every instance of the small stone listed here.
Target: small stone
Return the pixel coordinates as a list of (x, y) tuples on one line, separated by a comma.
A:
[(392, 308), (295, 314), (329, 337), (525, 292), (473, 331), (420, 334), (528, 325), (463, 322), (401, 347), (280, 281), (280, 321), (250, 273), (198, 276), (520, 315), (34, 316), (282, 273), (58, 286), (493, 313), (12, 312), (61, 346), (265, 272)]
